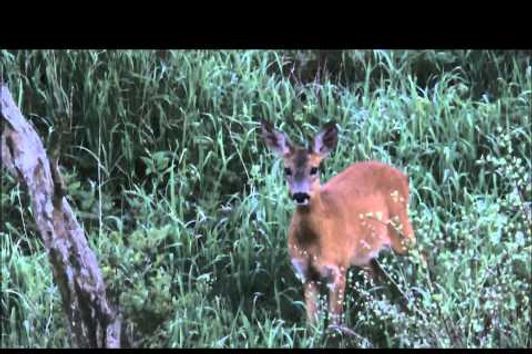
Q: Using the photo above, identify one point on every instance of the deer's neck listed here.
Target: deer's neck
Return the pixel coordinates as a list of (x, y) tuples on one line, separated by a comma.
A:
[(309, 222)]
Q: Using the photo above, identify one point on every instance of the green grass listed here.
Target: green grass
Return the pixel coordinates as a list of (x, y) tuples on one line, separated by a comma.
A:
[(187, 210)]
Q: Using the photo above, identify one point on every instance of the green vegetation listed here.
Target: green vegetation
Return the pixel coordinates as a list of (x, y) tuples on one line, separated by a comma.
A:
[(187, 210)]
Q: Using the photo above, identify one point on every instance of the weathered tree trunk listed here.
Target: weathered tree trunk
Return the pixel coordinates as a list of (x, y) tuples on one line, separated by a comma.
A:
[(91, 320)]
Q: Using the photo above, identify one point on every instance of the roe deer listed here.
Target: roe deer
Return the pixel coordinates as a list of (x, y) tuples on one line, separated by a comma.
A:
[(345, 222)]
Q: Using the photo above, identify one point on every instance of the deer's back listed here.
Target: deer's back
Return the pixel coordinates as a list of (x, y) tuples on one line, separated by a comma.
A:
[(360, 201), (367, 178)]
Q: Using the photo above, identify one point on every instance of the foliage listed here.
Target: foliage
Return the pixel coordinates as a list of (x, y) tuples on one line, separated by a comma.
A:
[(187, 211)]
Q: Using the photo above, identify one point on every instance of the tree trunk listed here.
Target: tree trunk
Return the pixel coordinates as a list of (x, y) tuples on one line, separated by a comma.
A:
[(91, 320)]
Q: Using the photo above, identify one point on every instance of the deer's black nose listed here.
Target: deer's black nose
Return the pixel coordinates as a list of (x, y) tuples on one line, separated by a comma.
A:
[(300, 197)]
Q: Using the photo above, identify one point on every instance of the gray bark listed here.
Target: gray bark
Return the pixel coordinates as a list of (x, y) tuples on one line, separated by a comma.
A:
[(91, 320)]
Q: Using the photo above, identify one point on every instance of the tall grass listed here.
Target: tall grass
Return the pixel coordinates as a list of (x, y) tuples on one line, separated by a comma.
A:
[(187, 211)]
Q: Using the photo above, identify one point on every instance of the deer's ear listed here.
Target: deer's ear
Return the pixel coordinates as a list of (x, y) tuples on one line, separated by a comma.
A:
[(276, 140), (325, 141)]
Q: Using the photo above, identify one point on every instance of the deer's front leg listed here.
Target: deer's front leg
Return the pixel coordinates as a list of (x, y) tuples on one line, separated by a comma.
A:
[(336, 285), (311, 288), (311, 300)]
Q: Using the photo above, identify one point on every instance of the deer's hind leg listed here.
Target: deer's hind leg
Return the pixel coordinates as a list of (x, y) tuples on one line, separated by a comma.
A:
[(400, 229)]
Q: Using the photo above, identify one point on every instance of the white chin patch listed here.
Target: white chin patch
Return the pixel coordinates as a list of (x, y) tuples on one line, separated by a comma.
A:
[(304, 203)]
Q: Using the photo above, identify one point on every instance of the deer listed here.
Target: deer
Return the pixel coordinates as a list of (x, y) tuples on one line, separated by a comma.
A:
[(345, 222)]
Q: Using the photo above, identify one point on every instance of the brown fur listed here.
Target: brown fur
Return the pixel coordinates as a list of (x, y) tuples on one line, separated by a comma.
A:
[(347, 221)]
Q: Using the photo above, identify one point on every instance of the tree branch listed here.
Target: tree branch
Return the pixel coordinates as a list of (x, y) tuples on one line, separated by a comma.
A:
[(91, 320)]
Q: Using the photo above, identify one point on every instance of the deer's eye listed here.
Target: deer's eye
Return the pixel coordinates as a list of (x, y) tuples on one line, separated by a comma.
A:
[(288, 171), (313, 170)]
